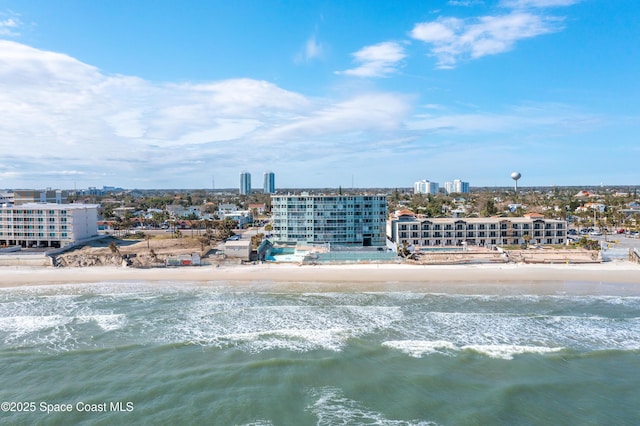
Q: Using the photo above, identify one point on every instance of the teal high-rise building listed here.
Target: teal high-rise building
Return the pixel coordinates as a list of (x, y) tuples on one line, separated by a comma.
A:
[(269, 183), (355, 220), (245, 183)]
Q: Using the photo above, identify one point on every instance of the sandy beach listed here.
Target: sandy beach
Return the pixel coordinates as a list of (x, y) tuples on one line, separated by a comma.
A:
[(354, 277)]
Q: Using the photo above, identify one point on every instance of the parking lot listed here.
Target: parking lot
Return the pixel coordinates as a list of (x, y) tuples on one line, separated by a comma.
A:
[(609, 240), (618, 240)]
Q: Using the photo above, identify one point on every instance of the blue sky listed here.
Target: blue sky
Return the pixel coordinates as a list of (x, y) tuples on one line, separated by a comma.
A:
[(168, 94)]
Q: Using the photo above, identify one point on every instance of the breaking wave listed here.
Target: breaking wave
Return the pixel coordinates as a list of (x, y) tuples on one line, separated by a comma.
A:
[(69, 317)]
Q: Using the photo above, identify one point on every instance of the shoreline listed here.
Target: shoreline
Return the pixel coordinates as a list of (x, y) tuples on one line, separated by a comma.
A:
[(350, 277)]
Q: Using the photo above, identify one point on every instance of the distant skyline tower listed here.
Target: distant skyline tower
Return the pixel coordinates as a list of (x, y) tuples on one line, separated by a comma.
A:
[(457, 186), (269, 186), (245, 183), (515, 176)]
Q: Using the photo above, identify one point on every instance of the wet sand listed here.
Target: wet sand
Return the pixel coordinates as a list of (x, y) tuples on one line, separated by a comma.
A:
[(354, 277)]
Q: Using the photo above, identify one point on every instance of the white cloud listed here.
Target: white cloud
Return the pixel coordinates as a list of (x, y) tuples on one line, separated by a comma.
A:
[(519, 4), (521, 119), (465, 2), (378, 60), (363, 113), (66, 121), (9, 25), (453, 40), (312, 49)]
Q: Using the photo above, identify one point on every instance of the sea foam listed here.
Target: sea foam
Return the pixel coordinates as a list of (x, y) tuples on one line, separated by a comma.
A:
[(69, 317), (418, 348), (331, 407)]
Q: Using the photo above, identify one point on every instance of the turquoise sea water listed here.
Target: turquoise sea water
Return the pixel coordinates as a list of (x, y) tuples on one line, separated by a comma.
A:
[(143, 353)]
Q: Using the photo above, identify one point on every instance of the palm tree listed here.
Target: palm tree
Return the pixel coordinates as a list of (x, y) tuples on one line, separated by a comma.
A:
[(115, 249)]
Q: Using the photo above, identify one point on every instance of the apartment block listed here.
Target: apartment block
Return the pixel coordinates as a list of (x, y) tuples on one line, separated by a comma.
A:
[(426, 187), (457, 186), (356, 220), (47, 224), (407, 228)]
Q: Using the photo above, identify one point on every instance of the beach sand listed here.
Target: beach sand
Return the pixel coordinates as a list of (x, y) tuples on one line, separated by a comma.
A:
[(357, 277)]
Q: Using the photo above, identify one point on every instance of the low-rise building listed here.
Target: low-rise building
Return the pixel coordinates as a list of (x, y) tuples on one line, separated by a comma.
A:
[(242, 217), (239, 249), (226, 208), (599, 207), (24, 196), (406, 228), (260, 209), (6, 197), (47, 224)]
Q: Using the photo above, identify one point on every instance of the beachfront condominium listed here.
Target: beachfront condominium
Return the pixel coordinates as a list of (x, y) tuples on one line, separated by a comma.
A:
[(354, 220), (457, 187), (426, 187), (269, 183), (405, 227), (245, 183), (47, 224)]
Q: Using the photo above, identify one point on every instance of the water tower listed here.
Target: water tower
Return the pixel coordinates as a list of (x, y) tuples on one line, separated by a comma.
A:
[(515, 176)]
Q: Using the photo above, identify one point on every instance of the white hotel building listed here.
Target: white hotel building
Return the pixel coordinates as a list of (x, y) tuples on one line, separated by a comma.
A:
[(406, 228), (356, 220), (426, 187), (457, 186), (47, 224)]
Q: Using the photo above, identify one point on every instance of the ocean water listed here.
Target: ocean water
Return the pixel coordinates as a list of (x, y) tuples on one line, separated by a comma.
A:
[(180, 353)]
